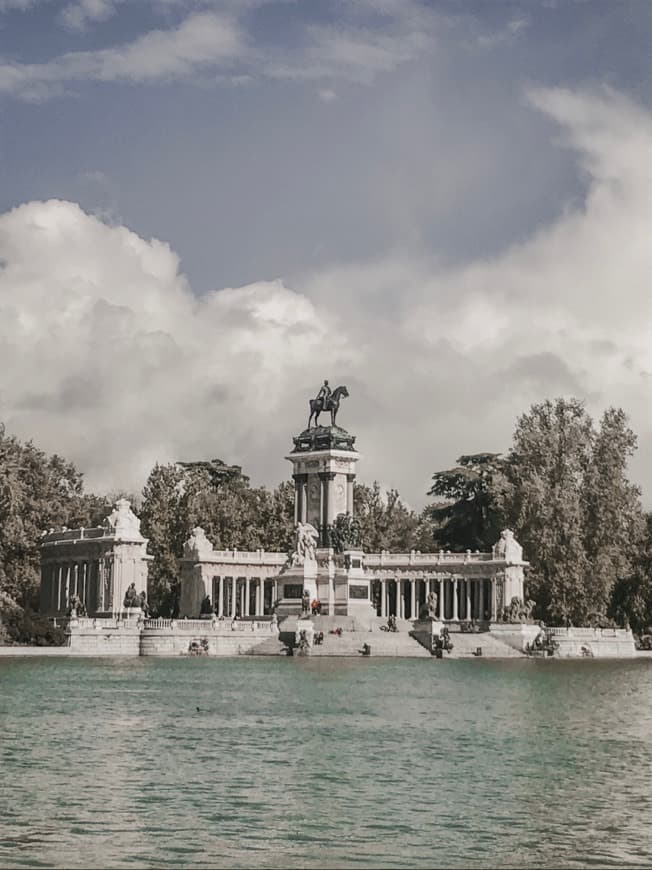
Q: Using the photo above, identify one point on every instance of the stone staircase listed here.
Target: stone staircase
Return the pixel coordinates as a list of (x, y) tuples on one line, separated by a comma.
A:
[(271, 646), (465, 645), (397, 644)]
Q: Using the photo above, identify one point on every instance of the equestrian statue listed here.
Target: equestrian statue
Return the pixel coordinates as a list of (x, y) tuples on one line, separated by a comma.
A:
[(327, 400)]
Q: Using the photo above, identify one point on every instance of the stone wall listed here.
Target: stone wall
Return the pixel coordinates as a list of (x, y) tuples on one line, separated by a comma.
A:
[(166, 637), (594, 642)]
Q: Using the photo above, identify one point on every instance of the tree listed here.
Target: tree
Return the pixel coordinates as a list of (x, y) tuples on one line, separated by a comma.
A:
[(219, 498), (471, 516), (162, 523), (386, 523), (572, 507), (37, 492)]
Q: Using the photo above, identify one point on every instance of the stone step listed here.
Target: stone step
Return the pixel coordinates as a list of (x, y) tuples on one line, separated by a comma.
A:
[(398, 644), (465, 646)]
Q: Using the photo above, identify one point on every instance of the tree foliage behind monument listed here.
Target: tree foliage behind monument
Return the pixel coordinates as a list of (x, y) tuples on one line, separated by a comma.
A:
[(37, 492), (469, 514), (572, 507), (218, 498)]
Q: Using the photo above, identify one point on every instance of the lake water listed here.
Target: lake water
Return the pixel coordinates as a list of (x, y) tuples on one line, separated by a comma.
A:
[(325, 763)]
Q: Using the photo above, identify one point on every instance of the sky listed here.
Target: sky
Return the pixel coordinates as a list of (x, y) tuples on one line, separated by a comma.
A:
[(209, 206)]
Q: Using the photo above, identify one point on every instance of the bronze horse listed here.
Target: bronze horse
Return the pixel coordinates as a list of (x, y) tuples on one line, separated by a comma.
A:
[(332, 405)]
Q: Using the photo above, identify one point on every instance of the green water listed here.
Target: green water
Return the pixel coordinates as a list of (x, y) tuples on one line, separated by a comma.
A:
[(325, 763)]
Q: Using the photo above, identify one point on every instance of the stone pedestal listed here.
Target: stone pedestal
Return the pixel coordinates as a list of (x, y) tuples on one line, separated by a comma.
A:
[(323, 468), (306, 629)]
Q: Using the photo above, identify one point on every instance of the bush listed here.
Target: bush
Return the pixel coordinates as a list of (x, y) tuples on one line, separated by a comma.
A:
[(27, 627)]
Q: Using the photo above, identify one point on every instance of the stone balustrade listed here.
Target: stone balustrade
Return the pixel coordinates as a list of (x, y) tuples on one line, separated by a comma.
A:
[(383, 559), (253, 557)]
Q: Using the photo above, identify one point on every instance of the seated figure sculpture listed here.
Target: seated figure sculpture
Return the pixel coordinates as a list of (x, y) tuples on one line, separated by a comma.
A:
[(132, 599)]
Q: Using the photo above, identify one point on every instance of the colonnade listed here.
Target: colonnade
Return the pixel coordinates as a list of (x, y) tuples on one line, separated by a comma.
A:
[(89, 579), (242, 596), (458, 598)]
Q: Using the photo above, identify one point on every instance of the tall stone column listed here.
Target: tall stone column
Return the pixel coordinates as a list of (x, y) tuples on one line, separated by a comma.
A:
[(455, 599), (247, 597), (413, 597), (481, 604), (383, 599), (467, 584), (220, 600), (350, 480), (330, 499), (494, 609), (323, 504), (304, 499), (67, 586), (234, 593), (297, 499), (440, 598), (300, 498)]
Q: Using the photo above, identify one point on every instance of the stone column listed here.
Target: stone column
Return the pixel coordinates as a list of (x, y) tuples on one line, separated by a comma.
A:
[(456, 616), (297, 498), (494, 608), (383, 599), (261, 592), (67, 586), (350, 479), (440, 598), (323, 504), (234, 590), (330, 498), (399, 599), (247, 597), (275, 593), (413, 598), (481, 599), (304, 499), (220, 600), (468, 598)]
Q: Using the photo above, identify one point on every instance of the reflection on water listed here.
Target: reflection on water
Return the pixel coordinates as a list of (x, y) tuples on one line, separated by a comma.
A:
[(327, 763)]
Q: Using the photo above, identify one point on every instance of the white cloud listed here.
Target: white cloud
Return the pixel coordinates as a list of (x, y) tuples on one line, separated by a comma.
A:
[(217, 41), (202, 40), (77, 15), (120, 365)]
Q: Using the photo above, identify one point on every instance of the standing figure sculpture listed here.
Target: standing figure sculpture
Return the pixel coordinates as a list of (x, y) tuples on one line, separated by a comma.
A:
[(326, 400)]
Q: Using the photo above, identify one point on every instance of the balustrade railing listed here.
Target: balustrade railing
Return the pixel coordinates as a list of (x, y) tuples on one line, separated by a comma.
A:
[(209, 625), (380, 560), (257, 557)]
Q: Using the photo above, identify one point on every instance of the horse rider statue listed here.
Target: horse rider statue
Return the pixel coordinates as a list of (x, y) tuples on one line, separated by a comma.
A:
[(327, 400)]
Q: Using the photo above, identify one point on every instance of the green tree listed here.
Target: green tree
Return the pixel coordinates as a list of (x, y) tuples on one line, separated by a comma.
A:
[(563, 478), (163, 524), (218, 498), (470, 515), (37, 492), (388, 524)]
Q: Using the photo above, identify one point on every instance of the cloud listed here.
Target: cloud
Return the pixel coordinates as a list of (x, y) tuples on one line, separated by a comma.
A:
[(202, 40), (121, 365), (217, 41), (77, 15)]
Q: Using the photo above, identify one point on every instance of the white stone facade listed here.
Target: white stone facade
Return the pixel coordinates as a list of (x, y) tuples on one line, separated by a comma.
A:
[(97, 565)]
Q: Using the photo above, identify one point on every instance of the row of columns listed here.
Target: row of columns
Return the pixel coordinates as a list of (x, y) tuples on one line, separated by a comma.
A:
[(226, 603), (458, 598), (90, 579)]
